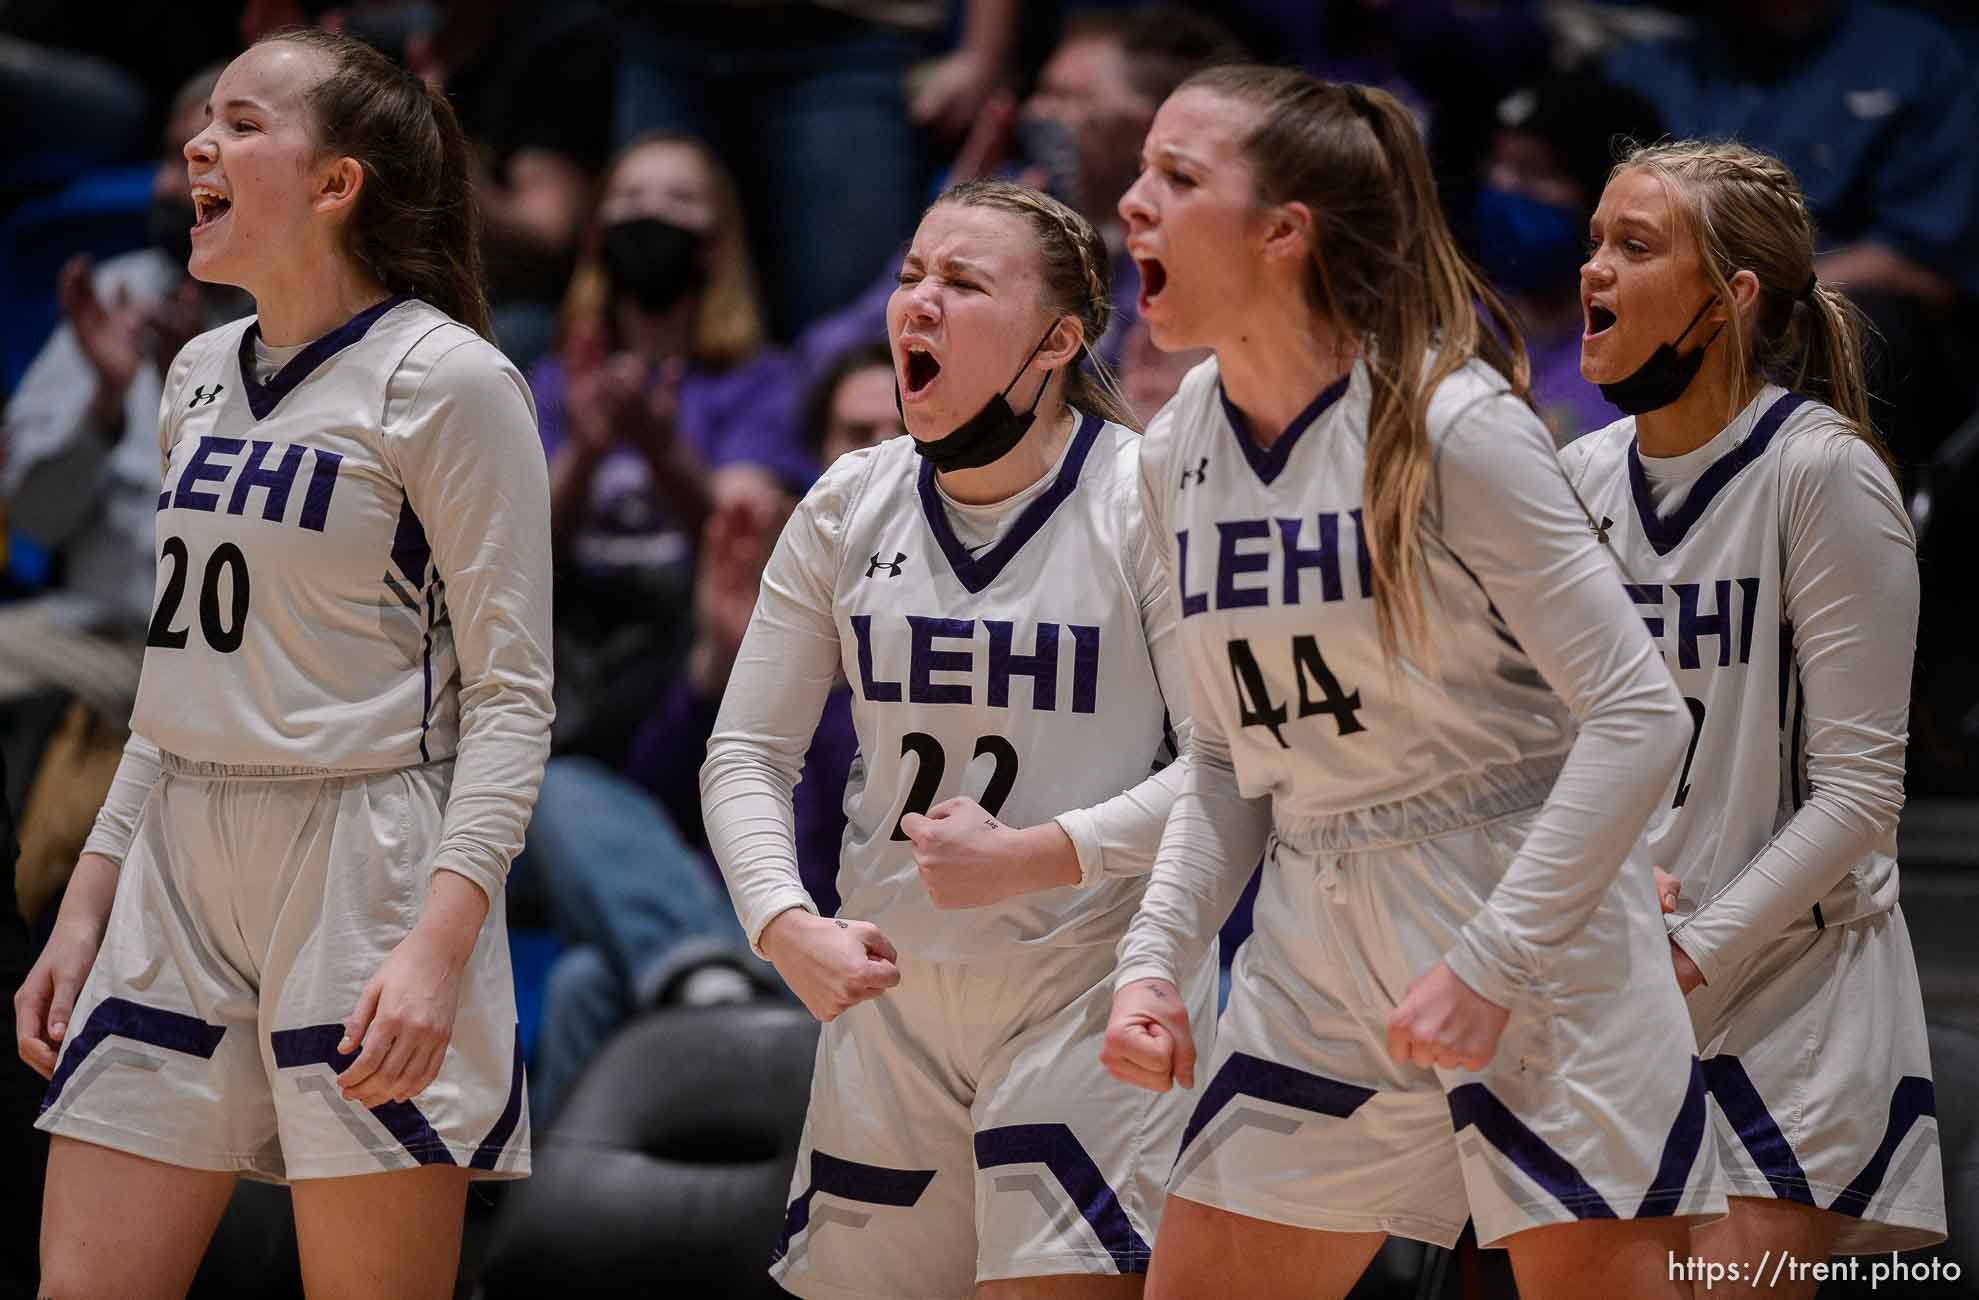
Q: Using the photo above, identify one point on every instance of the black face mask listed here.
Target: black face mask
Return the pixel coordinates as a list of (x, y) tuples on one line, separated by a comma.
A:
[(991, 432), (168, 228), (1663, 378), (653, 261)]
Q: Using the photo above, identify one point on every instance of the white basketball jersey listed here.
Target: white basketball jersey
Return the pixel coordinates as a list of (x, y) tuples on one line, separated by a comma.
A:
[(300, 617), (1277, 607), (1707, 574), (1019, 675)]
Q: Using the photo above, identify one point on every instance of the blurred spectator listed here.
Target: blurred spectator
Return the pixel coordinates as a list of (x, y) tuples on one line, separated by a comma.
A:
[(1077, 136), (1550, 158), (540, 154), (651, 412), (84, 85), (620, 856), (80, 435), (1875, 107), (1448, 60), (851, 405), (79, 474), (807, 100), (80, 110), (1149, 376)]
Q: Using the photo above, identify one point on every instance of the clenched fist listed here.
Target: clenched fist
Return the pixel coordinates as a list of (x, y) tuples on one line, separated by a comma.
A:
[(831, 965)]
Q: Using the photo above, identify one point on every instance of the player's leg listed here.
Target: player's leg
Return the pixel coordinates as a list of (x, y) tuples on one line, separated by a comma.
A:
[(159, 1099), (1583, 1142), (1071, 1163), (1307, 1144), (344, 900), (1757, 1229), (1206, 1251), (392, 1236), (1847, 1125), (116, 1224), (1618, 1259), (881, 1200)]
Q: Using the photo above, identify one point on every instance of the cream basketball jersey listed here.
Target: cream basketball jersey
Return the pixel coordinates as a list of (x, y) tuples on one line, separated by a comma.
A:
[(1018, 673), (1277, 606), (354, 566), (1708, 568), (299, 615)]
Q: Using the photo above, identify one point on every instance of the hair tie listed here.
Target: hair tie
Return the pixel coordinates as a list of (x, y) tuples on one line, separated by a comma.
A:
[(1358, 101), (1807, 290)]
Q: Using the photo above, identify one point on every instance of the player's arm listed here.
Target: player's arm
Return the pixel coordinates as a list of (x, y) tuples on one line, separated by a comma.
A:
[(466, 450), (1505, 511), (776, 691), (473, 470), (1212, 837), (1120, 836), (1850, 590)]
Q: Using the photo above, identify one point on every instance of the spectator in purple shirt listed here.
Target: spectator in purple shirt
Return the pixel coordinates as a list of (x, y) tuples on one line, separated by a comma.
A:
[(620, 857), (652, 412)]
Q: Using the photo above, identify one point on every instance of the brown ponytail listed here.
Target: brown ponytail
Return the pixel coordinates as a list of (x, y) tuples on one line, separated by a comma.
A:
[(1385, 266), (415, 228)]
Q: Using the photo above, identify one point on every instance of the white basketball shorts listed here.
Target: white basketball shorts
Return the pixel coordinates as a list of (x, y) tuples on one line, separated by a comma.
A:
[(1819, 1071), (962, 1129), (250, 913), (1593, 1106)]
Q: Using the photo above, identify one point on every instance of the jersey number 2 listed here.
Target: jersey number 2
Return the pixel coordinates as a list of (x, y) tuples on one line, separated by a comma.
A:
[(927, 779), (223, 628), (1696, 733)]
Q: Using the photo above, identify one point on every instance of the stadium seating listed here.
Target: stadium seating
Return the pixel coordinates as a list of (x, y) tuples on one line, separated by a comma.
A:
[(666, 1171)]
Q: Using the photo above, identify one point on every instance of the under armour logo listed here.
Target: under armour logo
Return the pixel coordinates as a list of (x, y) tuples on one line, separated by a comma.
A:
[(1601, 529), (1199, 472), (200, 397), (892, 566)]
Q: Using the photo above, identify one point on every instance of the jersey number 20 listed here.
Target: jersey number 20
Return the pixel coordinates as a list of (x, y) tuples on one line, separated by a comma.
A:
[(223, 628)]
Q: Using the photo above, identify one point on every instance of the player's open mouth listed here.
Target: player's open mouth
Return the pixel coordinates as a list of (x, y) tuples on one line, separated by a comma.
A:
[(922, 369), (1154, 278), (1599, 319), (208, 205)]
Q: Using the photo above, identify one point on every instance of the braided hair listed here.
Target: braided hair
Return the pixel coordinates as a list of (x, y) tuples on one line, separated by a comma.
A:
[(1746, 212), (1076, 278)]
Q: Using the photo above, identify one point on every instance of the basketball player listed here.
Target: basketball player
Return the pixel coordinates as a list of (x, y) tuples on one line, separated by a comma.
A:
[(1765, 546), (990, 591), (1413, 674), (340, 726)]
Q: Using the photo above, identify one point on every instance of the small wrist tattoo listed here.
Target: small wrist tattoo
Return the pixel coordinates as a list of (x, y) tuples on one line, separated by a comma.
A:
[(841, 925)]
